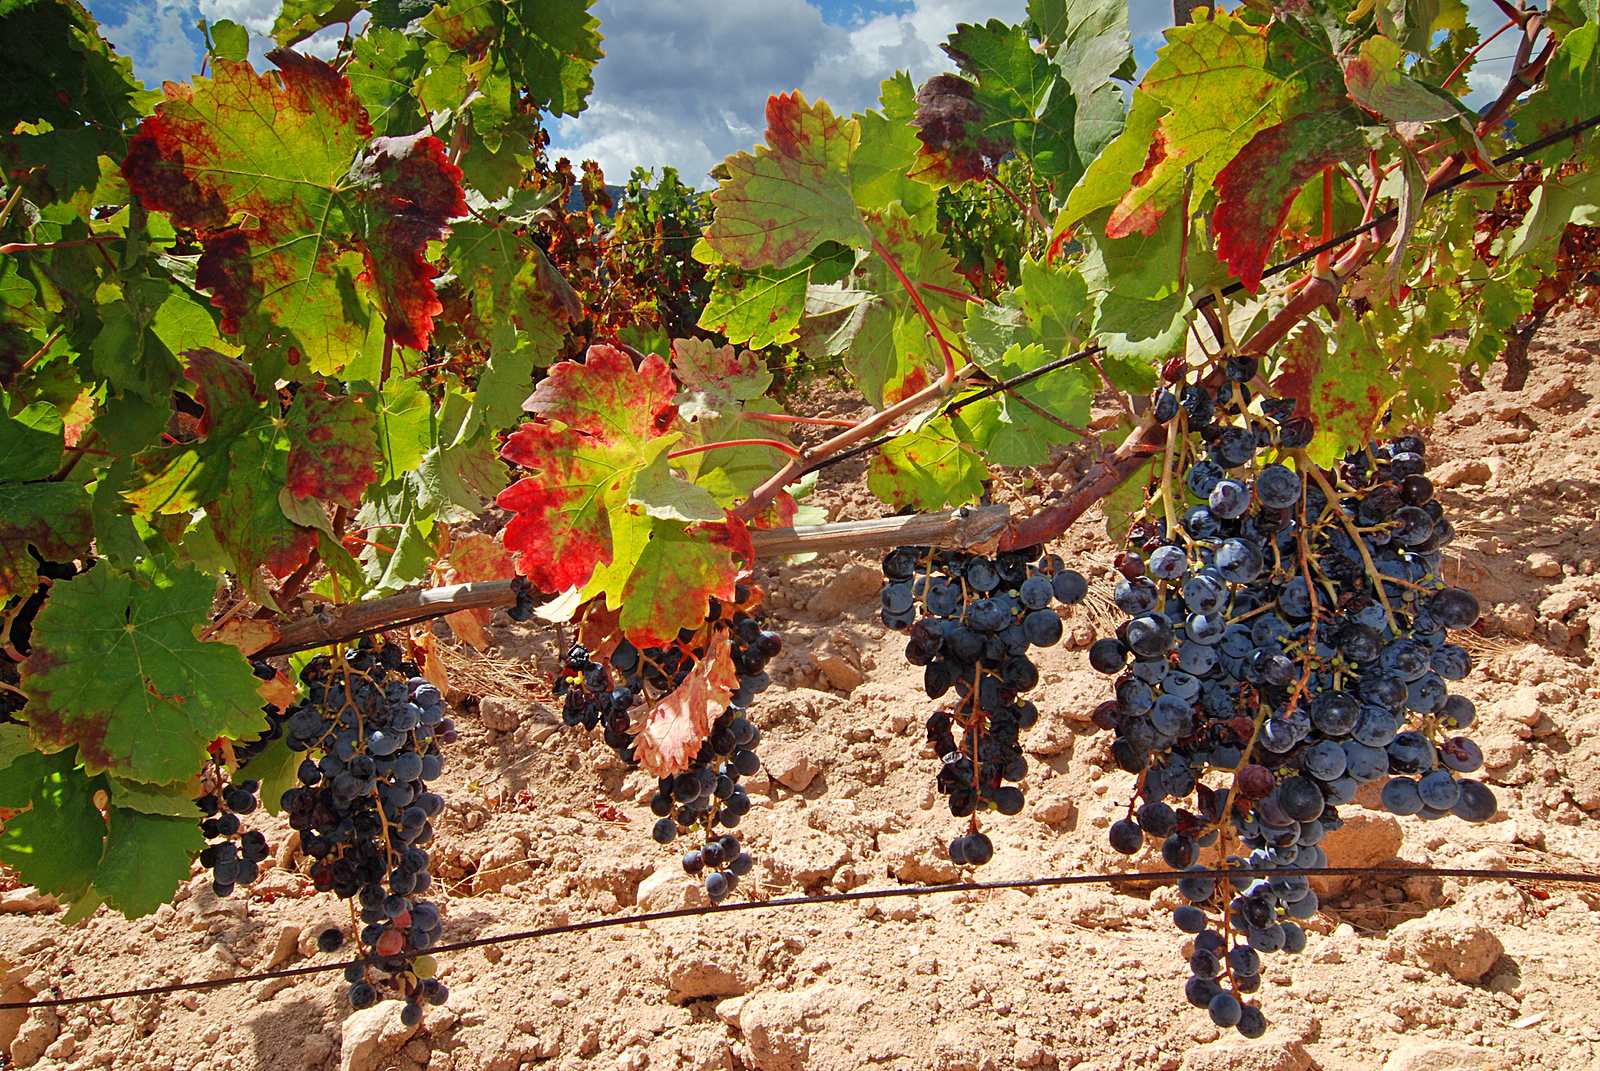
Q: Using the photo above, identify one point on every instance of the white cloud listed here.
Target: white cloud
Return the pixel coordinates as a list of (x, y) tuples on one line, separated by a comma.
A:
[(685, 82), (153, 34)]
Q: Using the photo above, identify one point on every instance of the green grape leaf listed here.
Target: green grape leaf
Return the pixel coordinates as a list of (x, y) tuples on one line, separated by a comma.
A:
[(147, 856), (116, 669), (1113, 172), (229, 40), (401, 550), (235, 471), (14, 743), (463, 476), (383, 71), (882, 163), (597, 424), (549, 47), (1021, 435), (125, 353), (405, 427), (1089, 40), (890, 349), (678, 571), (926, 468), (992, 328), (1256, 189), (1056, 302), (520, 304), (1020, 101), (758, 308), (1569, 94), (249, 522), (57, 69), (31, 443), (794, 193), (670, 497), (1223, 81), (277, 768), (730, 473), (1134, 281), (1377, 82), (59, 839), (299, 19), (333, 453), (317, 236), (53, 517), (1122, 505), (1343, 387), (174, 801), (1552, 207)]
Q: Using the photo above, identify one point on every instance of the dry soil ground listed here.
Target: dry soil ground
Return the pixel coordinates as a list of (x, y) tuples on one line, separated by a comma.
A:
[(544, 826)]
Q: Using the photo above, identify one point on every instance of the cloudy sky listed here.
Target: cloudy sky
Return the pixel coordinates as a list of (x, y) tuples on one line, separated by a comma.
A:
[(685, 82)]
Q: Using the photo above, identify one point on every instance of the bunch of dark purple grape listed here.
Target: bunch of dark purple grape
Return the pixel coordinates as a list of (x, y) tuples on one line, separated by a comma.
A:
[(707, 795), (233, 855), (979, 617), (588, 699), (1291, 647), (372, 728)]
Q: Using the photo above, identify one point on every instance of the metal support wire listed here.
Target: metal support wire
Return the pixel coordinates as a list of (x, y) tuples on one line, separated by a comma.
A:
[(1164, 877)]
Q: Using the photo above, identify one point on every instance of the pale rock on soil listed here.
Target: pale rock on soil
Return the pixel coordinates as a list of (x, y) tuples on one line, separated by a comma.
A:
[(1405, 975)]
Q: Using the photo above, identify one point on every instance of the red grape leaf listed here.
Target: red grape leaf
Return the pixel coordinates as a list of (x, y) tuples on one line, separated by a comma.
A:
[(333, 451), (1344, 389), (1221, 82), (678, 570), (475, 556), (794, 193), (607, 398), (261, 167), (958, 145), (1257, 187), (599, 424), (716, 378), (677, 725)]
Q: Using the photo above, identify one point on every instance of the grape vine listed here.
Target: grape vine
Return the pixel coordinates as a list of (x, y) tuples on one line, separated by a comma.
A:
[(270, 340)]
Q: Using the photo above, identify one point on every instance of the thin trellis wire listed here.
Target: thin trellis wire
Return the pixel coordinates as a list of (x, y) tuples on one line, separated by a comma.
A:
[(1120, 878)]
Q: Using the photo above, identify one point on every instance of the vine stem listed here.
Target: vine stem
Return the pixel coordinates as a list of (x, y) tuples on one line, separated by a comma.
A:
[(1041, 411), (1167, 468), (388, 360), (777, 444), (762, 496), (1350, 528), (916, 299), (785, 418), (11, 203), (31, 361), (25, 247), (1468, 58), (1325, 260), (958, 295)]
